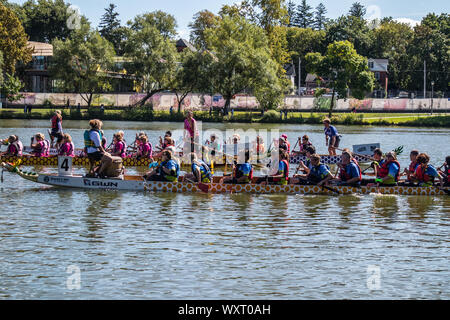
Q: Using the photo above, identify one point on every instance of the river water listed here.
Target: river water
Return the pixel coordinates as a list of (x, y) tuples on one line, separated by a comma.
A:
[(75, 244)]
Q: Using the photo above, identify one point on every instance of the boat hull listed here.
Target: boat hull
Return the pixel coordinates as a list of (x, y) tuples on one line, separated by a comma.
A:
[(136, 183)]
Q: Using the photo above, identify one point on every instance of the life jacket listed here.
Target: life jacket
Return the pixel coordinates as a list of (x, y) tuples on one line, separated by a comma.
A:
[(238, 173), (18, 146), (315, 175), (70, 152), (55, 120), (286, 174), (344, 176), (288, 146), (43, 149), (46, 150), (87, 139), (447, 173), (412, 167), (205, 172), (383, 170), (117, 148), (173, 177), (423, 177)]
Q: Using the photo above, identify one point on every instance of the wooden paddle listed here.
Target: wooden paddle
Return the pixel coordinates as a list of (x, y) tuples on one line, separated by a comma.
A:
[(330, 189)]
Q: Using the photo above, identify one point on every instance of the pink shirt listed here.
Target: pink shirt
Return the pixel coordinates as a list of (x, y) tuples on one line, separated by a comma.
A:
[(67, 149), (187, 126), (146, 149), (120, 146)]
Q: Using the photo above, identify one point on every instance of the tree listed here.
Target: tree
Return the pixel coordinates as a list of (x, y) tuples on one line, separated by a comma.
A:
[(352, 29), (304, 17), (319, 17), (13, 40), (151, 48), (47, 20), (110, 28), (82, 63), (291, 10), (193, 73), (345, 70), (243, 59), (391, 41), (11, 87), (202, 20), (357, 10)]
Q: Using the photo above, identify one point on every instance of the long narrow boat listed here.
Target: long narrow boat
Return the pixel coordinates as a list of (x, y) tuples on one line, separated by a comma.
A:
[(137, 183), (29, 160)]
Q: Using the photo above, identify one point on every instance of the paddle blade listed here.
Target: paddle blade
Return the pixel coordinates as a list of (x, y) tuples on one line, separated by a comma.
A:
[(204, 187)]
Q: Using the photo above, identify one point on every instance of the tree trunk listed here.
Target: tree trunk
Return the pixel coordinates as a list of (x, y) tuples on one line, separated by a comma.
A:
[(227, 105), (148, 96), (331, 105)]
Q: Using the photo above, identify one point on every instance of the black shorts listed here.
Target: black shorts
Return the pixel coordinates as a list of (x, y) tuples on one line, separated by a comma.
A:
[(336, 142), (55, 134), (95, 156)]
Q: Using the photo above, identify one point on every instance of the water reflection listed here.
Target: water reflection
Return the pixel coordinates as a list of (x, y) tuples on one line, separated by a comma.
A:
[(419, 206), (348, 204), (385, 205)]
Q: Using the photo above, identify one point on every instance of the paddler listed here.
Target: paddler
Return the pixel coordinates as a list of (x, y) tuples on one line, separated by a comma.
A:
[(286, 142), (15, 147), (388, 170), (93, 146), (409, 172), (119, 148), (145, 149), (168, 170), (42, 146), (319, 175), (446, 172), (426, 173), (200, 171), (242, 173), (306, 168), (67, 147), (350, 172), (281, 177), (332, 137), (303, 143)]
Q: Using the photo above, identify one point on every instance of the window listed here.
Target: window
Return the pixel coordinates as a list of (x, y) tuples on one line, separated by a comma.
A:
[(377, 76), (370, 64)]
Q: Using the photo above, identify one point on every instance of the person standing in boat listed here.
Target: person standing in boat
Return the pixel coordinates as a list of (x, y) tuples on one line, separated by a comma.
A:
[(190, 130), (168, 170), (57, 130), (15, 147), (332, 137), (67, 147), (93, 147), (42, 146)]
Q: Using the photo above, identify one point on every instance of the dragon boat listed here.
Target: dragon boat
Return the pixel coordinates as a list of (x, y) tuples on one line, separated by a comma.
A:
[(138, 183), (52, 160)]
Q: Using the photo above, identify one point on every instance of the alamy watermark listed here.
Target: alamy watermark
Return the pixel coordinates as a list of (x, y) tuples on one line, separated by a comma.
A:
[(373, 277), (73, 281), (74, 20)]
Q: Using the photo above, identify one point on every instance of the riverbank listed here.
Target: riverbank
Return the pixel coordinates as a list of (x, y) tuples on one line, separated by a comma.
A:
[(145, 114)]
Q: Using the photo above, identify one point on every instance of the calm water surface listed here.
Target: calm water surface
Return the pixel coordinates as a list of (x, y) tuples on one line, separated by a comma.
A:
[(131, 245)]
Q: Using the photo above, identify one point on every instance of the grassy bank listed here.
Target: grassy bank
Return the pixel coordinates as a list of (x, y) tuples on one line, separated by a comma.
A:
[(146, 114)]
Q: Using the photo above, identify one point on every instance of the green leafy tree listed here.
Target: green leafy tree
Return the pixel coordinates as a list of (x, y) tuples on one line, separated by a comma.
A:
[(431, 43), (357, 10), (11, 87), (202, 20), (353, 29), (391, 41), (291, 11), (151, 48), (345, 70), (13, 40), (47, 20), (320, 18), (193, 73), (243, 60), (82, 63), (110, 27), (305, 15)]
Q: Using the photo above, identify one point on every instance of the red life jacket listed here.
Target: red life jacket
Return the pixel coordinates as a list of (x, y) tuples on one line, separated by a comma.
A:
[(383, 171), (412, 167), (288, 146), (447, 172), (344, 176), (422, 176), (55, 119)]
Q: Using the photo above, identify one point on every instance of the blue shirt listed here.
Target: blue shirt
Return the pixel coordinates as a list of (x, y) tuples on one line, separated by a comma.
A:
[(320, 172), (331, 131), (431, 171), (282, 168), (352, 170), (245, 168)]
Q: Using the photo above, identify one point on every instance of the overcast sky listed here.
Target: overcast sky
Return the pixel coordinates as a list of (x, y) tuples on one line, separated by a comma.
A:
[(184, 10)]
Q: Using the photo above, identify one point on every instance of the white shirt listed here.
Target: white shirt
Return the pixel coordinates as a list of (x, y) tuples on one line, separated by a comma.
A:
[(95, 137)]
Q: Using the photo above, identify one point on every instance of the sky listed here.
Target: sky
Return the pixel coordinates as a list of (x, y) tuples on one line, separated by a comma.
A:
[(183, 10)]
